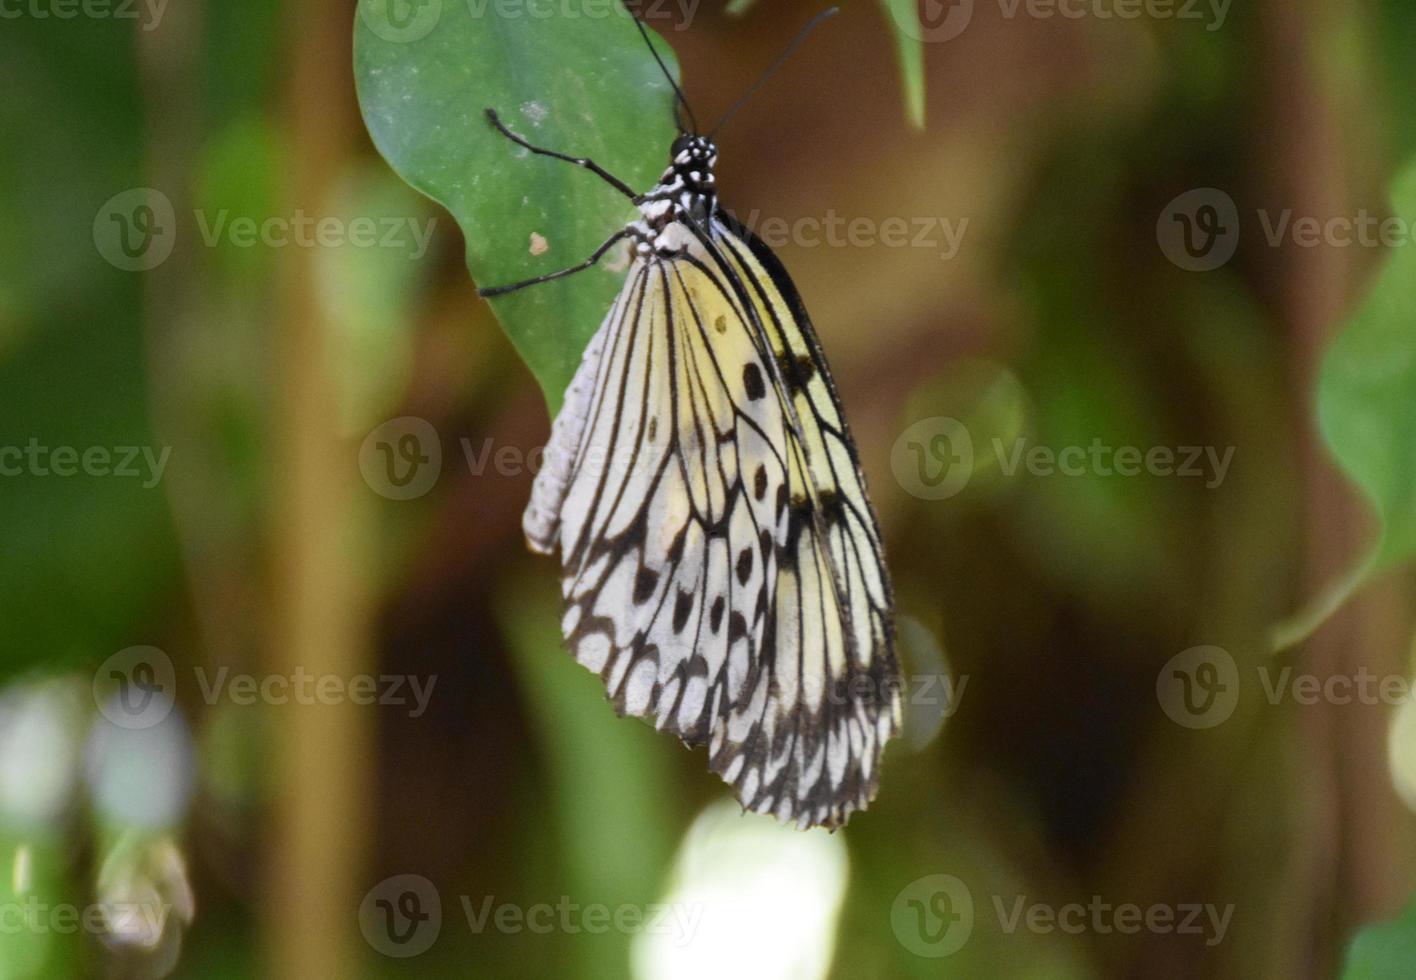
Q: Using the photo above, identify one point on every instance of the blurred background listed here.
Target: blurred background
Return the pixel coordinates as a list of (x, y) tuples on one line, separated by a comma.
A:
[(281, 690)]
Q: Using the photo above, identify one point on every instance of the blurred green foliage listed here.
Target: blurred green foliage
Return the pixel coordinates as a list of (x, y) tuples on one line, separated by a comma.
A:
[(1384, 951), (84, 556)]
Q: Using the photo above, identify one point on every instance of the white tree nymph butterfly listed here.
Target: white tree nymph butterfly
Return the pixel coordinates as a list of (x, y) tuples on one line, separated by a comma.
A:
[(725, 578)]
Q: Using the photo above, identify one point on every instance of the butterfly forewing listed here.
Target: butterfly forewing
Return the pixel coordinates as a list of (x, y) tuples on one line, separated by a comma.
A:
[(835, 470)]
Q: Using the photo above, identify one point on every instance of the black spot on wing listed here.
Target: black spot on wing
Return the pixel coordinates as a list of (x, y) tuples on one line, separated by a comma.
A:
[(683, 606), (797, 371), (752, 382), (744, 565), (737, 627), (644, 584)]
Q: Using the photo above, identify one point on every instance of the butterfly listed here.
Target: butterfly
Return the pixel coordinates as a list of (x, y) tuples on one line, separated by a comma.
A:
[(722, 566)]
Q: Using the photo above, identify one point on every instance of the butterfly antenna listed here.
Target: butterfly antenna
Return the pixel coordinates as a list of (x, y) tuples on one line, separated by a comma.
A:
[(678, 92), (772, 70)]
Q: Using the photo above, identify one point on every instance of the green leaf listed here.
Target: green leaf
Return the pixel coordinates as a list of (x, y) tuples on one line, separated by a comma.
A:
[(577, 80), (1367, 393), (1386, 951), (1366, 406), (909, 43)]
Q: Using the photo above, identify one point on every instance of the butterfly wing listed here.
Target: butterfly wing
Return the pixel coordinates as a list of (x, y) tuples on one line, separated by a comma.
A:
[(848, 519), (721, 566)]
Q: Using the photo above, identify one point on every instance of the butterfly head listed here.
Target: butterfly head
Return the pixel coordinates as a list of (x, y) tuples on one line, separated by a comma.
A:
[(691, 160)]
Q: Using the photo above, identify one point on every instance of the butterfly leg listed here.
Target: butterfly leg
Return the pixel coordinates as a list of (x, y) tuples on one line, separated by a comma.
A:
[(588, 164), (599, 253)]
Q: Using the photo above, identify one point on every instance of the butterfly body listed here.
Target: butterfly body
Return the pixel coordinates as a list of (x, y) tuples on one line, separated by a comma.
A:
[(722, 569)]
